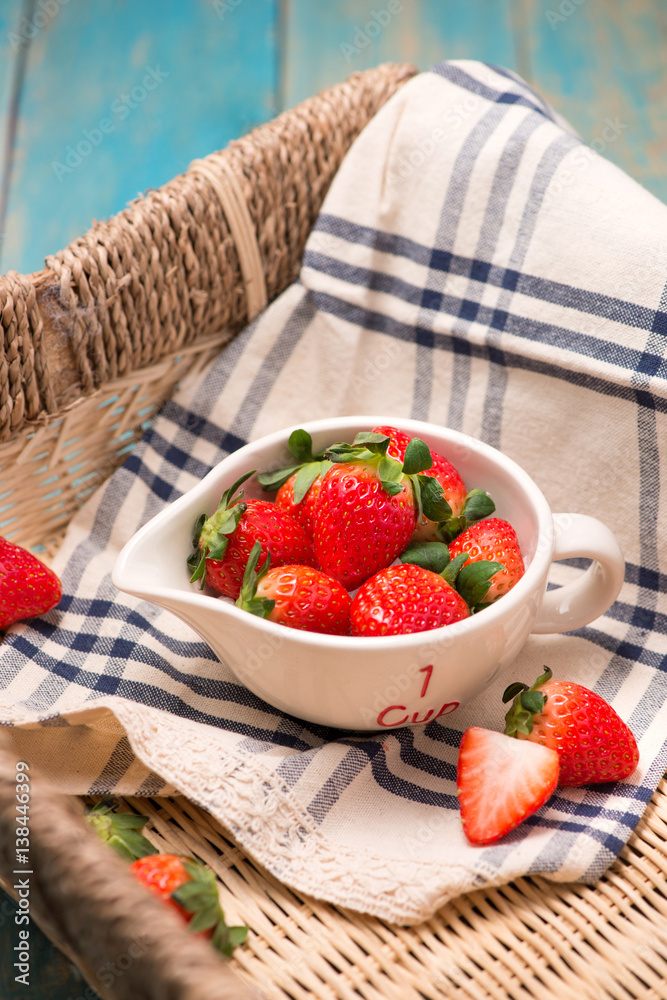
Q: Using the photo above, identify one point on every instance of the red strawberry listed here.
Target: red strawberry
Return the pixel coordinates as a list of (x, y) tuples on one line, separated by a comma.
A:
[(298, 484), (464, 507), (403, 599), (592, 741), (302, 510), (367, 507), (500, 782), (297, 596), (449, 478), (192, 890), (492, 540), (223, 542), (27, 586)]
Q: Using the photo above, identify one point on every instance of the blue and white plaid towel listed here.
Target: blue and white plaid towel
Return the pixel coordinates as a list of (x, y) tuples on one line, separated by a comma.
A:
[(477, 266)]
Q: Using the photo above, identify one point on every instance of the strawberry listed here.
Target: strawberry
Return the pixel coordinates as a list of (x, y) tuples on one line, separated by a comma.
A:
[(492, 540), (301, 505), (592, 741), (471, 581), (192, 891), (464, 507), (223, 542), (403, 599), (27, 587), (297, 596), (500, 782), (368, 506), (298, 484)]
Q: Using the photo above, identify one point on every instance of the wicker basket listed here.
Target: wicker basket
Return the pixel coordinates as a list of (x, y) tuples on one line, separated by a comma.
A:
[(92, 345)]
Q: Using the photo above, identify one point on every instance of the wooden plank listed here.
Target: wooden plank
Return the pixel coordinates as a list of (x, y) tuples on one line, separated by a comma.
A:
[(10, 43), (121, 97), (324, 43), (601, 64)]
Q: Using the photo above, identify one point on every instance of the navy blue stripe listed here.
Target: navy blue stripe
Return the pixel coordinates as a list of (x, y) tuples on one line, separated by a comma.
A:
[(381, 323), (457, 76), (542, 289), (200, 427), (559, 337)]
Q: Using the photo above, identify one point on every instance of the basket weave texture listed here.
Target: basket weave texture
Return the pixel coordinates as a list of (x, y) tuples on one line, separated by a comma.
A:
[(92, 345)]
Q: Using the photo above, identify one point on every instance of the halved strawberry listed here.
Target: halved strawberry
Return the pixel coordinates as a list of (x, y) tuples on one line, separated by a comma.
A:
[(492, 540), (223, 542), (402, 599), (192, 891), (500, 782), (593, 742), (296, 596), (368, 506)]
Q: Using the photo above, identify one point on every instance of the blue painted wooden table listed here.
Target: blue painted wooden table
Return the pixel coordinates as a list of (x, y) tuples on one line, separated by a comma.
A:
[(99, 102)]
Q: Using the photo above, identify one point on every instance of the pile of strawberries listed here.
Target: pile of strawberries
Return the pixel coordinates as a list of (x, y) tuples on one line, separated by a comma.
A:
[(374, 538)]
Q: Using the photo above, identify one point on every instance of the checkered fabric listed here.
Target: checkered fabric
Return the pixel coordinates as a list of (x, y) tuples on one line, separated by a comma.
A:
[(477, 266)]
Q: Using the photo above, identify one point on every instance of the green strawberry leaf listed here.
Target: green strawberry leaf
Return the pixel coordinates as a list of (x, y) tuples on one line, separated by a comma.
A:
[(301, 445), (196, 533), (417, 457), (305, 478), (474, 580), (377, 443), (512, 690), (120, 830), (428, 555), (226, 498), (393, 489), (389, 470), (433, 501), (451, 571), (526, 703), (200, 898), (533, 701), (247, 599), (478, 504), (273, 480)]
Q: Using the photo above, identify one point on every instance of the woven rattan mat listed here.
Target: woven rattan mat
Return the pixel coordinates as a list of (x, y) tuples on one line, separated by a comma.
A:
[(531, 938)]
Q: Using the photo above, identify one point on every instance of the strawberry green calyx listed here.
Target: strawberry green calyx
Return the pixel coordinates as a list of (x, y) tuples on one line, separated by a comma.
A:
[(210, 538), (120, 830), (478, 505), (306, 465), (199, 896), (526, 703), (371, 448), (248, 600), (471, 581)]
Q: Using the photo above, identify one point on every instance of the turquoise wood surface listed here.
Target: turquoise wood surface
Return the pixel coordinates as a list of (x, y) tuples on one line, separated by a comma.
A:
[(219, 67), (119, 97)]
